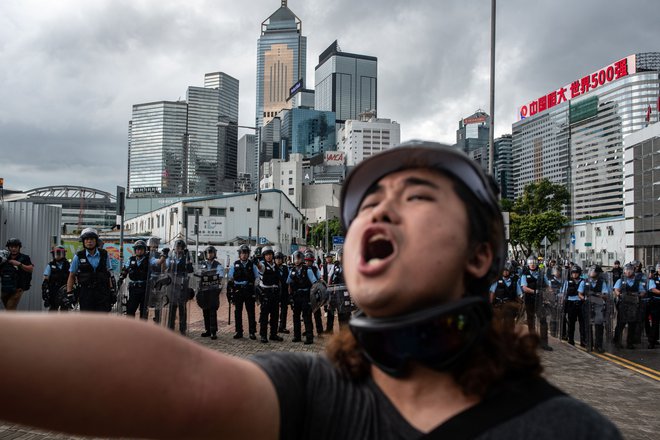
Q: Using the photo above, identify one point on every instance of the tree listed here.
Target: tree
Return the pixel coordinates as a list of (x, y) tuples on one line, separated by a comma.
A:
[(317, 233), (537, 214)]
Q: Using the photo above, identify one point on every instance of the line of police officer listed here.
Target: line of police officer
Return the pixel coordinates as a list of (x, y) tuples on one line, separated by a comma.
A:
[(565, 298)]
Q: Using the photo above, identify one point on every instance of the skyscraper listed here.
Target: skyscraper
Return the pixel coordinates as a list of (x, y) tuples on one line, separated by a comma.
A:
[(472, 137), (177, 148), (157, 133), (281, 62), (345, 83)]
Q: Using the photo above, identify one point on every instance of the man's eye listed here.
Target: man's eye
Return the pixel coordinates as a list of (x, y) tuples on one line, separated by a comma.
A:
[(419, 197), (367, 205)]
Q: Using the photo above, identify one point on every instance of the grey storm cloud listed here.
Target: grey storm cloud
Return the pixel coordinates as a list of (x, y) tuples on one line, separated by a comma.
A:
[(72, 69)]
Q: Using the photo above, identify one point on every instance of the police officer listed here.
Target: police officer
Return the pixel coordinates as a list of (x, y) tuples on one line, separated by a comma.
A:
[(208, 297), (327, 271), (16, 274), (301, 278), (157, 267), (269, 296), (92, 267), (597, 294), (310, 262), (180, 267), (654, 307), (505, 296), (137, 271), (628, 292), (346, 307), (572, 292), (242, 277), (55, 277), (532, 282), (283, 273)]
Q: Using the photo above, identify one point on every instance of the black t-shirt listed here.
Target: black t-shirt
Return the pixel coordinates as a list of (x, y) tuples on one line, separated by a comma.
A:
[(317, 401)]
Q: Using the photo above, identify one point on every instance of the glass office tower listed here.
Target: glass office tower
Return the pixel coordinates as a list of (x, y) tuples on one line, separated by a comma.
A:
[(345, 83), (281, 62), (157, 134), (574, 135)]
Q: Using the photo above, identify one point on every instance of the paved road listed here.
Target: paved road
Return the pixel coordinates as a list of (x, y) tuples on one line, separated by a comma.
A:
[(628, 398)]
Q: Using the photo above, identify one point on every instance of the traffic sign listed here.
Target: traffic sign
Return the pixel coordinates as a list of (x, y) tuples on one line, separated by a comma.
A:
[(573, 238), (545, 241), (338, 239)]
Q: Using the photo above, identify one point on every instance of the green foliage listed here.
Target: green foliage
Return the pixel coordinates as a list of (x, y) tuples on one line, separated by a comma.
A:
[(537, 214), (506, 205), (317, 232)]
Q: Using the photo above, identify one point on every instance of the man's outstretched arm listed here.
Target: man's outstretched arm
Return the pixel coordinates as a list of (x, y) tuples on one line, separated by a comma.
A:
[(109, 376)]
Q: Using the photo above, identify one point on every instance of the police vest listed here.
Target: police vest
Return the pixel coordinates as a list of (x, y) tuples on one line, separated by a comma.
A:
[(13, 277), (572, 288), (138, 272), (625, 288), (325, 272), (502, 291), (58, 277), (656, 296), (181, 265), (616, 274), (597, 289), (299, 278), (244, 273), (210, 278), (555, 283), (532, 282), (89, 277), (283, 271), (271, 276), (338, 275)]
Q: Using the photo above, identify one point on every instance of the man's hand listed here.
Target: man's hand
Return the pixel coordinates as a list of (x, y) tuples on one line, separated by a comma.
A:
[(165, 252), (69, 300)]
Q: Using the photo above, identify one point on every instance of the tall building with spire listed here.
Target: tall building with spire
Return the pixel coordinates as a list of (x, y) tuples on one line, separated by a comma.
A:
[(281, 62)]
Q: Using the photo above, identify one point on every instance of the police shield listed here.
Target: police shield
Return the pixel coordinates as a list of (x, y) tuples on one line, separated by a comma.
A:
[(208, 283), (158, 282), (179, 292), (553, 302), (318, 295), (340, 299), (122, 297)]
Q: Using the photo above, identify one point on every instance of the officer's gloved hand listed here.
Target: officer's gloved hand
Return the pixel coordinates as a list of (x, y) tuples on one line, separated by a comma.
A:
[(166, 252), (69, 300), (44, 290)]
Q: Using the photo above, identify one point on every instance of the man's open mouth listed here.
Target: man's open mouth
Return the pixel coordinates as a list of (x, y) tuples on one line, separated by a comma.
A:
[(377, 247)]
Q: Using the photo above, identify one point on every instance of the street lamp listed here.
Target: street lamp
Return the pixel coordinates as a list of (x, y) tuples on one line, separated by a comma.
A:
[(256, 132)]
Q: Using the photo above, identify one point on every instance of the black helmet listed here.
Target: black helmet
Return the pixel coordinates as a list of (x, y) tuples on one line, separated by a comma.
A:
[(257, 251), (244, 248), (210, 249), (298, 255), (267, 250), (180, 244), (576, 269), (309, 256), (279, 255), (14, 242), (596, 268), (629, 266), (89, 233), (617, 262), (140, 244), (58, 249), (508, 267), (443, 158)]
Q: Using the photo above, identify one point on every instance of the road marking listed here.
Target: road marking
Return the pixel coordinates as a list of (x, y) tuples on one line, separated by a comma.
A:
[(651, 373)]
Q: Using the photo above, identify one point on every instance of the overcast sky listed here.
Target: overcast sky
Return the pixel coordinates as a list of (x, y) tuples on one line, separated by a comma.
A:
[(72, 69)]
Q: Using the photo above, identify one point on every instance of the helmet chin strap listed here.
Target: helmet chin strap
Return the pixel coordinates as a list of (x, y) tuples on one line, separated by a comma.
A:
[(438, 337)]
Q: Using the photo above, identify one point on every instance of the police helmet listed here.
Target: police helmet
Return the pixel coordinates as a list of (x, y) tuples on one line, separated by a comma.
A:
[(267, 250), (140, 244), (576, 269), (244, 248), (298, 255), (153, 242), (328, 255), (447, 160), (257, 251), (629, 267), (58, 250), (14, 242), (210, 249), (636, 264), (309, 256), (89, 233), (279, 255), (657, 267), (532, 261), (180, 244), (650, 269), (508, 267), (595, 269)]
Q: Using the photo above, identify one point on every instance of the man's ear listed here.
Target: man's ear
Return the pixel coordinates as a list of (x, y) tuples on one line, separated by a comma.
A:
[(479, 262)]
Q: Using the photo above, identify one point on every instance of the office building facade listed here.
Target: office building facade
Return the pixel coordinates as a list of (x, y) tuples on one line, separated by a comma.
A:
[(369, 135), (504, 166), (345, 83), (574, 135), (472, 137), (308, 132)]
